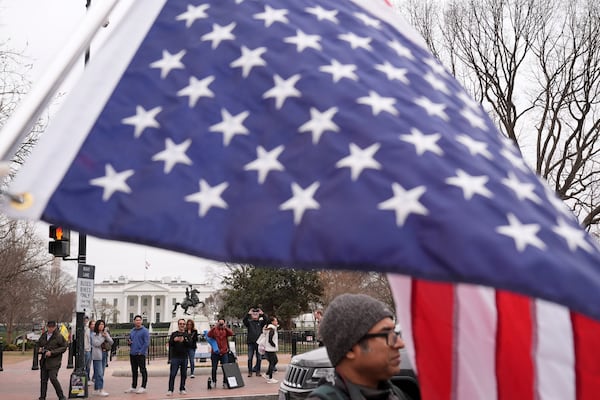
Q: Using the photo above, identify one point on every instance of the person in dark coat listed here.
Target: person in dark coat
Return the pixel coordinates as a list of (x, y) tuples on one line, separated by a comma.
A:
[(255, 320), (52, 345)]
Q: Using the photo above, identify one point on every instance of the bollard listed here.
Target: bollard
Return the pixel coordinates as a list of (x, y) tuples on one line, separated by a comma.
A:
[(1, 355), (71, 355), (36, 361), (294, 346)]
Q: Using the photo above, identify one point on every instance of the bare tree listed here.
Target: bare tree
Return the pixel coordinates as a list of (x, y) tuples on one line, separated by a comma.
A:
[(336, 282), (534, 66), (57, 293)]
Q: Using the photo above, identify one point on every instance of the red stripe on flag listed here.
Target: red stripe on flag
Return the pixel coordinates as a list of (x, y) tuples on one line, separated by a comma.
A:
[(432, 316), (586, 340), (514, 347)]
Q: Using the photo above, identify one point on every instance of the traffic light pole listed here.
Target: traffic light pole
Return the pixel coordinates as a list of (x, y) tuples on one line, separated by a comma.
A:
[(78, 387)]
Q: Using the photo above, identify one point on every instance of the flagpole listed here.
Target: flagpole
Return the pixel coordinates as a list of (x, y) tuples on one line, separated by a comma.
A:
[(20, 123)]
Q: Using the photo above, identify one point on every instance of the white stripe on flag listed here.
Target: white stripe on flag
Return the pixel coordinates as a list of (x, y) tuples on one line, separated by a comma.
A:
[(475, 330), (554, 358)]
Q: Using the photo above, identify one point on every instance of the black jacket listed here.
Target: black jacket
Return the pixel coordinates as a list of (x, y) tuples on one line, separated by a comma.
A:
[(254, 326)]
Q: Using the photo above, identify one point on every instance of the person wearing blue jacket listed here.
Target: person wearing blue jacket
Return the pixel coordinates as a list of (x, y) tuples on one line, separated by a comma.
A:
[(139, 341)]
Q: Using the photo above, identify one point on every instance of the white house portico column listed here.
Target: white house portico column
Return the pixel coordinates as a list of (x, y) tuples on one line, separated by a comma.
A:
[(139, 304), (153, 300)]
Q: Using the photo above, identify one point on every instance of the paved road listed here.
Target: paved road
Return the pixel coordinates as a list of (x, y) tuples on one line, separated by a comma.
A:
[(19, 382)]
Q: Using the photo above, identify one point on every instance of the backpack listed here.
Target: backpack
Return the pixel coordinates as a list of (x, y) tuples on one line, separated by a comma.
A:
[(329, 392)]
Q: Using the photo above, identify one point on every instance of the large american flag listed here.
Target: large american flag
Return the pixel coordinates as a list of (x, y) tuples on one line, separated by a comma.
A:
[(322, 134)]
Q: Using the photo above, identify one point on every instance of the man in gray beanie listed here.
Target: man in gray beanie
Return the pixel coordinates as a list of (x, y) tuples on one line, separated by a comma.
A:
[(363, 346)]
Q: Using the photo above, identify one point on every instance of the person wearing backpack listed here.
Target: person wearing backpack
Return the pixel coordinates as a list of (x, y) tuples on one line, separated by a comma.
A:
[(364, 347)]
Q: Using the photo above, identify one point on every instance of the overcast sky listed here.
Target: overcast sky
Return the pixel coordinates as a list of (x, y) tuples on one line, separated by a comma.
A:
[(38, 29)]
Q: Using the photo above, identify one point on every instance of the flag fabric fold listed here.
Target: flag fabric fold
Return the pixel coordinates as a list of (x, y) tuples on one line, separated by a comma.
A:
[(306, 134)]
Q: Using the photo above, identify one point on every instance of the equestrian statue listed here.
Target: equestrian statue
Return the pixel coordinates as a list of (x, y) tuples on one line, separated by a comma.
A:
[(191, 300)]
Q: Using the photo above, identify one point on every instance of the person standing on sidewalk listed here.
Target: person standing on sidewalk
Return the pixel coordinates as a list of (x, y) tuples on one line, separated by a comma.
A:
[(271, 348), (139, 342), (52, 345), (100, 339), (190, 329), (87, 346), (255, 320), (179, 343), (219, 333)]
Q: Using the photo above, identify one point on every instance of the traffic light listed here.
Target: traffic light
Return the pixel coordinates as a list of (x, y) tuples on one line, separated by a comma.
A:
[(61, 246)]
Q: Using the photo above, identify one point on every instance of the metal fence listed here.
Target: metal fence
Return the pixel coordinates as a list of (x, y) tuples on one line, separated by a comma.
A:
[(290, 342)]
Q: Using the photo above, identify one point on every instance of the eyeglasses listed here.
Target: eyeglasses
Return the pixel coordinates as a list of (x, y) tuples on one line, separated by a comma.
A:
[(391, 337)]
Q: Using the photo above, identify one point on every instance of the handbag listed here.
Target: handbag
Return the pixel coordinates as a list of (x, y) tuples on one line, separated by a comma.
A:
[(105, 346)]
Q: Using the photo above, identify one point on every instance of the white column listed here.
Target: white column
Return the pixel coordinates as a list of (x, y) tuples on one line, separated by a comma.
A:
[(139, 305), (153, 299), (123, 306)]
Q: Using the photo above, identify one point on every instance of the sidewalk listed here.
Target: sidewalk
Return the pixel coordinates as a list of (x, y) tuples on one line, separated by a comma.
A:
[(19, 382)]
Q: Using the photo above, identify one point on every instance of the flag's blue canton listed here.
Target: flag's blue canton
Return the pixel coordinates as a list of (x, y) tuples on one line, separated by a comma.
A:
[(307, 133)]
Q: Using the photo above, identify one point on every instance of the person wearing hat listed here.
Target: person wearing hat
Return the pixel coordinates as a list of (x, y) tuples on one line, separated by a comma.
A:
[(51, 347), (363, 346)]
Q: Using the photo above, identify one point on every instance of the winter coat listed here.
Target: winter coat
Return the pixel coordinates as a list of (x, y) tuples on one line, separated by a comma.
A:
[(97, 340), (272, 344), (57, 346)]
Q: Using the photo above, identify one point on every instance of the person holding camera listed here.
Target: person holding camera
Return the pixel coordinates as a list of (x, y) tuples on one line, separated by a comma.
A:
[(219, 333), (101, 341), (255, 320), (179, 343), (52, 345)]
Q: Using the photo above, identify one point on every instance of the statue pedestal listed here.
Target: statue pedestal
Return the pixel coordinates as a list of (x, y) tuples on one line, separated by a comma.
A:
[(201, 322)]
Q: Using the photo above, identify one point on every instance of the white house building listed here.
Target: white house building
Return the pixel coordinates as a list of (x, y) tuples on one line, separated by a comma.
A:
[(119, 300)]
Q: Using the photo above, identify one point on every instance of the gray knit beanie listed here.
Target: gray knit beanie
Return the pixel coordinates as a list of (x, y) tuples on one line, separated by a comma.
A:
[(347, 319)]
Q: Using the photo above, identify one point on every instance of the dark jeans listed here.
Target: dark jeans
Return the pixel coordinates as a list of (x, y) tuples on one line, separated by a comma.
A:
[(176, 364), (214, 362), (272, 357), (252, 350), (52, 375), (192, 360), (138, 361)]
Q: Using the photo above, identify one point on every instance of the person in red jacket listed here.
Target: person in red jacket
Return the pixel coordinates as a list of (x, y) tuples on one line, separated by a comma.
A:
[(219, 333)]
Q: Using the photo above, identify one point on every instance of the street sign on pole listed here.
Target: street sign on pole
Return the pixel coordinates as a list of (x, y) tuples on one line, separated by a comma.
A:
[(85, 288)]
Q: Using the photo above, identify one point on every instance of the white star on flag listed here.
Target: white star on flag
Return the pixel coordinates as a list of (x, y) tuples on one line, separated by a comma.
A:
[(208, 197), (423, 142), (192, 14), (522, 234), (218, 34), (249, 59), (523, 190), (168, 62), (231, 125), (319, 123), (378, 103), (143, 119), (339, 71), (404, 202), (283, 89), (323, 14), (113, 181), (272, 15), (470, 185), (359, 159), (301, 200), (173, 154), (304, 41), (265, 162), (197, 88)]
